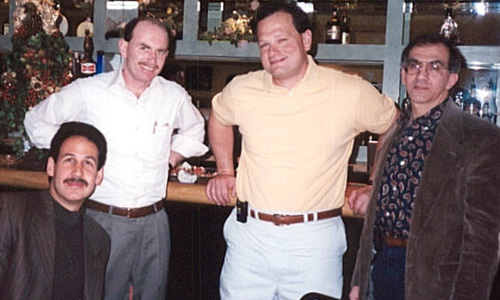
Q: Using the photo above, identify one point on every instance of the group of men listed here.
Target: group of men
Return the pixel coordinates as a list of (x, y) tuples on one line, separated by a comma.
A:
[(432, 216)]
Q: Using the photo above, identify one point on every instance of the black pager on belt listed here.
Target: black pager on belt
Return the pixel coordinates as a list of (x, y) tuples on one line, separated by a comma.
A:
[(241, 211)]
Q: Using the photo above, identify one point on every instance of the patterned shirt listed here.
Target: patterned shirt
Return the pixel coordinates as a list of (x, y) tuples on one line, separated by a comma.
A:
[(402, 170)]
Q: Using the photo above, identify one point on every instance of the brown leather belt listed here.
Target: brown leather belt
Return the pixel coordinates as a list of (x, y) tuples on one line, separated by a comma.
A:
[(279, 219), (395, 242), (125, 212)]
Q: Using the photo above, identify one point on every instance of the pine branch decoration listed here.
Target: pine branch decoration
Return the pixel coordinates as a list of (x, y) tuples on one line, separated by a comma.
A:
[(39, 65)]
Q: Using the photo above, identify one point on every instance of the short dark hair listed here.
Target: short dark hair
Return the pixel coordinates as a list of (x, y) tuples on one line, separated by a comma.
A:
[(129, 28), (70, 129), (455, 58), (301, 21)]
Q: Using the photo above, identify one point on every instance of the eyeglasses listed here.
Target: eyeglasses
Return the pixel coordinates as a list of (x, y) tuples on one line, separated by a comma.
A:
[(433, 68)]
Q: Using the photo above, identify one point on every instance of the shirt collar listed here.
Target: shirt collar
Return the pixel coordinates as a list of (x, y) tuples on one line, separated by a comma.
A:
[(119, 80), (308, 77), (429, 119), (66, 216)]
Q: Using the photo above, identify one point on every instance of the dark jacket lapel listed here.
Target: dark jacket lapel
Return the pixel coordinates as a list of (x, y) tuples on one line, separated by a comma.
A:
[(445, 153), (44, 234)]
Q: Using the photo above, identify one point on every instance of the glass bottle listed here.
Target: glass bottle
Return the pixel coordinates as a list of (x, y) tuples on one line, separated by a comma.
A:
[(485, 112), (449, 28), (333, 30), (100, 62), (345, 30), (87, 64), (492, 91), (75, 66), (472, 105), (458, 98)]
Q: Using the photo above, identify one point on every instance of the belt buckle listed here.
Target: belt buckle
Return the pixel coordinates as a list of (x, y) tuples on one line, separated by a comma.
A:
[(278, 218), (129, 212)]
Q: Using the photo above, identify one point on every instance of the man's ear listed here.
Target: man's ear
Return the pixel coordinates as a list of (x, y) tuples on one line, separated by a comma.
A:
[(50, 167), (452, 80), (403, 77), (122, 46), (99, 176), (307, 39)]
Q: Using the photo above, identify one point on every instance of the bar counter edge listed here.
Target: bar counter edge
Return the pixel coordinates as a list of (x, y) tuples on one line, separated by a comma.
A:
[(176, 191)]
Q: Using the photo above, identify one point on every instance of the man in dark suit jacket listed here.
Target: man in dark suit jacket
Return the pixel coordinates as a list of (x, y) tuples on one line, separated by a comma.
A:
[(49, 248), (434, 214)]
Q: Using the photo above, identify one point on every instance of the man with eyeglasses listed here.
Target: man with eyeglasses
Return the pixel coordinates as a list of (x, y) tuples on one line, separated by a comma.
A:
[(433, 219)]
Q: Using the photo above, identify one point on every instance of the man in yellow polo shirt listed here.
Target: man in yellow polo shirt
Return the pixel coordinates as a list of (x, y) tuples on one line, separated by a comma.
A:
[(298, 121)]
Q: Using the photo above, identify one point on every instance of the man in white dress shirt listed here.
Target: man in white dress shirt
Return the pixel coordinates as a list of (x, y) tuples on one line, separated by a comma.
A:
[(137, 111)]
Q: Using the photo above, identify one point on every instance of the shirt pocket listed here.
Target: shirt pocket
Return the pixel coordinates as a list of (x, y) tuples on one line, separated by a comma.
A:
[(160, 140)]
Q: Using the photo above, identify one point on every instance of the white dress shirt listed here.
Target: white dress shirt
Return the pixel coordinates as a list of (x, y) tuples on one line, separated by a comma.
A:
[(138, 131)]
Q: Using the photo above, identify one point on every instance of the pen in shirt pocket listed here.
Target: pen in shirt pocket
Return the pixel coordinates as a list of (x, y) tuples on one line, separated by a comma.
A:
[(155, 124)]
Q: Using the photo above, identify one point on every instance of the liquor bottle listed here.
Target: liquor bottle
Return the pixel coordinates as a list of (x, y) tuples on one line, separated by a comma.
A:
[(458, 98), (345, 30), (485, 112), (87, 64), (333, 31), (449, 28), (75, 66), (472, 105), (492, 90)]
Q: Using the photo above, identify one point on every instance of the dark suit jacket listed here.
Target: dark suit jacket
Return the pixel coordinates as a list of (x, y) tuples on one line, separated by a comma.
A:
[(453, 243), (27, 248)]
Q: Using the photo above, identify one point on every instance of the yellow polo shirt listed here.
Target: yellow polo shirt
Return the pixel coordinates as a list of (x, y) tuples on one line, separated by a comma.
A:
[(297, 143)]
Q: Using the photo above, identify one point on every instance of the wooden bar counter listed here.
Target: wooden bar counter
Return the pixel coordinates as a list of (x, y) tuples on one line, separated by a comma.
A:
[(176, 191)]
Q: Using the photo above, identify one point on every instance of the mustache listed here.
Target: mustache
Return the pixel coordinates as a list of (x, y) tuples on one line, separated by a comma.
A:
[(154, 66), (76, 180)]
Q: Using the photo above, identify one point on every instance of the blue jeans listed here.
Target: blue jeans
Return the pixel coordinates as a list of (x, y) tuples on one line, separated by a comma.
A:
[(388, 273)]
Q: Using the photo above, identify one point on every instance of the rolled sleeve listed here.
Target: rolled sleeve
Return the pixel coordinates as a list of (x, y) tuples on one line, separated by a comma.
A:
[(43, 121), (188, 141)]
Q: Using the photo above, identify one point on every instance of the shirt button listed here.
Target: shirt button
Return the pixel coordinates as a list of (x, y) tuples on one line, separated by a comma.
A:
[(394, 188), (410, 138), (402, 163), (426, 128), (387, 214)]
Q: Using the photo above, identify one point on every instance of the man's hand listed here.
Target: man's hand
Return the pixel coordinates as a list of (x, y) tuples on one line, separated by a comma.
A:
[(221, 188), (354, 294), (359, 199)]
